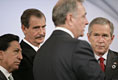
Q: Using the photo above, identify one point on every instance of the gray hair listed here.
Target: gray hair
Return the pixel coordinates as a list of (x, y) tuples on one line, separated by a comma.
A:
[(62, 8), (102, 21)]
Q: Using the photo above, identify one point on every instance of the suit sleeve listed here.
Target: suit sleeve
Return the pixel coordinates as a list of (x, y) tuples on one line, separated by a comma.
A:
[(84, 63)]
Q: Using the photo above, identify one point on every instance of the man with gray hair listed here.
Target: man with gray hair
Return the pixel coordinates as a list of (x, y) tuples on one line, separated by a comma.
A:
[(100, 35), (63, 56)]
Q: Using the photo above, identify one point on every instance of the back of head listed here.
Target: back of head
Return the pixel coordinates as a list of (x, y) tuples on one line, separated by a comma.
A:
[(62, 8), (28, 13), (101, 21), (6, 39)]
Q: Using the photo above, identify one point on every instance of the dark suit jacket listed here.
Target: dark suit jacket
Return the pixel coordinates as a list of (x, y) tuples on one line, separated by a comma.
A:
[(111, 70), (25, 71), (2, 76), (62, 57)]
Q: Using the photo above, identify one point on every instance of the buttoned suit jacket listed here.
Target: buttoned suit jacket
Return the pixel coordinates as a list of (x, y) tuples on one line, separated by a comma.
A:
[(25, 71), (62, 57), (111, 70), (2, 76)]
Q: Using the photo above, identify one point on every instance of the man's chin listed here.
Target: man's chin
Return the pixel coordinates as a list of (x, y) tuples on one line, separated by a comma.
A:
[(40, 41), (101, 52), (16, 68)]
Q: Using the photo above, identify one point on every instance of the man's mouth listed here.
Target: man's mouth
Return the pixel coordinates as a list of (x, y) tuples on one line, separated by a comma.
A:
[(41, 36)]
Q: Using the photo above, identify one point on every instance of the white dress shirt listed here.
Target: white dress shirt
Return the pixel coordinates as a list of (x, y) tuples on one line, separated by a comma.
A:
[(5, 72), (104, 56), (65, 30), (34, 47)]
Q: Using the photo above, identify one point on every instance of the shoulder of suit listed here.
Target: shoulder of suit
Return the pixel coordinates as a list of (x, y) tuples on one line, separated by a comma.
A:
[(116, 53), (84, 42)]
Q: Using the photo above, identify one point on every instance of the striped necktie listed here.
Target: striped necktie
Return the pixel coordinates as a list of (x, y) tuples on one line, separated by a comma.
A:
[(101, 59), (10, 77)]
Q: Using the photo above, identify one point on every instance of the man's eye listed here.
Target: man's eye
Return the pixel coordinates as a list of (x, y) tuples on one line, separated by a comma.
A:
[(105, 35), (96, 34), (16, 50), (36, 27), (43, 26)]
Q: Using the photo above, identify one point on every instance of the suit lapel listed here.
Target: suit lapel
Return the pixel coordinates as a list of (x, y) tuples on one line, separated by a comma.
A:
[(2, 76), (112, 64), (28, 51)]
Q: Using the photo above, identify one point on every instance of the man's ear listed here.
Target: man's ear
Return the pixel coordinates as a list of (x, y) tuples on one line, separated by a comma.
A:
[(69, 19), (88, 36), (112, 38), (1, 54), (23, 29)]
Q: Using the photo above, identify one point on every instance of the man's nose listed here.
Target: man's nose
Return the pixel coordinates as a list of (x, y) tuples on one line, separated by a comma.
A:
[(20, 56), (86, 21), (41, 30), (101, 39)]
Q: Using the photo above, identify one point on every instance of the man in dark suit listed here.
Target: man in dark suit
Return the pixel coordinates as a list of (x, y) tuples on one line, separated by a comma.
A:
[(33, 26), (10, 55), (100, 35), (63, 56)]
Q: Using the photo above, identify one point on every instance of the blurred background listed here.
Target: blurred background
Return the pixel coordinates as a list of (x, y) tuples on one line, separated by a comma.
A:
[(11, 11)]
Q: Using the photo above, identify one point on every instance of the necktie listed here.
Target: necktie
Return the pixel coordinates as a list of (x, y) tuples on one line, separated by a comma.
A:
[(102, 63), (10, 77)]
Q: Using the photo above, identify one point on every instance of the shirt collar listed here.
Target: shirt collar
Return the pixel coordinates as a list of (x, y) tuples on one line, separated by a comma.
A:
[(65, 30), (104, 56), (34, 47), (5, 72)]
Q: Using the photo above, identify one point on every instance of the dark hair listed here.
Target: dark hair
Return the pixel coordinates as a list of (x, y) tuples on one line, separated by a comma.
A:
[(28, 13), (6, 39)]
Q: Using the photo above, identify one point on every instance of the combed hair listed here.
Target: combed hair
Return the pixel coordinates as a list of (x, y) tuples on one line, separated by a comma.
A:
[(25, 17), (62, 8), (101, 21), (6, 39)]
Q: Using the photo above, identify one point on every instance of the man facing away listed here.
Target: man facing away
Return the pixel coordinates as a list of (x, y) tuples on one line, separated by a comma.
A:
[(63, 56), (10, 55), (100, 35), (33, 26)]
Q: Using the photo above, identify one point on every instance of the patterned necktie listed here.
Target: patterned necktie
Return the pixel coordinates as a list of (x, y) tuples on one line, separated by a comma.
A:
[(10, 77), (101, 59)]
